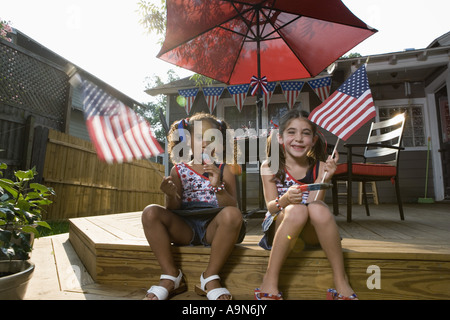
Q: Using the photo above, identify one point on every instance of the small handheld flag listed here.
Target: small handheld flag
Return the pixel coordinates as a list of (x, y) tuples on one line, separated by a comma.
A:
[(348, 108), (117, 132)]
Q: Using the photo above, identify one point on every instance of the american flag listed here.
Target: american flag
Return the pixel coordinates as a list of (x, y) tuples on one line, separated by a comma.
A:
[(348, 108), (267, 96), (189, 95), (321, 86), (291, 90), (212, 95), (118, 133), (239, 93)]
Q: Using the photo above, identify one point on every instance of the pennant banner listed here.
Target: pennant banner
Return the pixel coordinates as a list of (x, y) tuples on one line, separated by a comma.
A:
[(212, 95), (348, 108), (267, 96), (189, 95), (291, 90), (117, 132), (239, 93), (321, 87)]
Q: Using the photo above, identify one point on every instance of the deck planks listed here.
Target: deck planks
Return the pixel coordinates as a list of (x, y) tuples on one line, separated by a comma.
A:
[(414, 255)]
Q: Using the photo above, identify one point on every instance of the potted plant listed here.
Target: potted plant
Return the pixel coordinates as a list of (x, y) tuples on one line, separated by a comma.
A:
[(21, 207)]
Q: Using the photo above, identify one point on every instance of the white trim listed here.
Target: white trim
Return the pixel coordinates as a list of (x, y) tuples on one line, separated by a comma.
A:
[(434, 86)]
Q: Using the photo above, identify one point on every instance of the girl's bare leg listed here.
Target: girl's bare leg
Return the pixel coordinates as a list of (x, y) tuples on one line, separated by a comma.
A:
[(161, 228), (222, 233), (324, 230), (293, 219)]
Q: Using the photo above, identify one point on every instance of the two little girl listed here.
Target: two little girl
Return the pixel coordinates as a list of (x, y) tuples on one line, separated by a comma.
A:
[(201, 208)]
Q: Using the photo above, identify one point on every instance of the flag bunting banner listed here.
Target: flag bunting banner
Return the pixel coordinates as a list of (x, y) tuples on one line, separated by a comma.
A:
[(189, 95), (348, 108), (117, 132), (267, 96), (291, 90), (212, 95), (321, 87), (239, 93)]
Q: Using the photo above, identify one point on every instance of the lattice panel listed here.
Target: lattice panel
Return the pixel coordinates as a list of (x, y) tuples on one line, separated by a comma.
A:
[(33, 84)]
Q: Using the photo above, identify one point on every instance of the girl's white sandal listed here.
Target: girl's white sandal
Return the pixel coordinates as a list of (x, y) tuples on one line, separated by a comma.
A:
[(162, 293), (213, 294)]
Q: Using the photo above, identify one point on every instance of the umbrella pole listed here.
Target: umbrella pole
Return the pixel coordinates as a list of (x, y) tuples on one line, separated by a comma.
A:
[(259, 103), (258, 66)]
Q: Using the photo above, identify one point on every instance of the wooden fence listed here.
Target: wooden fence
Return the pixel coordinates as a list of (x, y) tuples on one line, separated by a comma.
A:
[(85, 186)]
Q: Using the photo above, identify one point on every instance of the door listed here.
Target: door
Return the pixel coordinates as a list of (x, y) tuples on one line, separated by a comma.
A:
[(443, 114)]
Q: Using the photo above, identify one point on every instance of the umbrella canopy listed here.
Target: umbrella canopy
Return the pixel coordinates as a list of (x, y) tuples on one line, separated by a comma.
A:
[(232, 40)]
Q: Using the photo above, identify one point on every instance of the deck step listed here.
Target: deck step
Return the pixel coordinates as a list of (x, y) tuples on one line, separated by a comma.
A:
[(115, 252)]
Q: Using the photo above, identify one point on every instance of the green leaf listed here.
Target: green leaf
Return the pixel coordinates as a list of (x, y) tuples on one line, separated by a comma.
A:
[(24, 175), (4, 197), (9, 186), (43, 224), (37, 186), (30, 229), (42, 202)]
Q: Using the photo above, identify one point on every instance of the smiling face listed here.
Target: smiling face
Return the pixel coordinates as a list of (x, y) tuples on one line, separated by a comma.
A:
[(298, 138)]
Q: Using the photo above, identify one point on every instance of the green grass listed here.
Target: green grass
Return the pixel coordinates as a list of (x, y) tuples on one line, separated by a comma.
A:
[(57, 227)]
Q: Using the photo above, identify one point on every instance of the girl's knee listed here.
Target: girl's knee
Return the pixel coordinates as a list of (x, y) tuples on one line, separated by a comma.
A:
[(150, 214), (231, 216), (319, 213), (296, 214)]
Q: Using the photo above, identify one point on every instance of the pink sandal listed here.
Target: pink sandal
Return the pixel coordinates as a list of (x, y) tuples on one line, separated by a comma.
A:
[(332, 294), (259, 295)]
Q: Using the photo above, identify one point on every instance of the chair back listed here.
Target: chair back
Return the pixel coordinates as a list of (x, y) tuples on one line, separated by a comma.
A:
[(387, 132)]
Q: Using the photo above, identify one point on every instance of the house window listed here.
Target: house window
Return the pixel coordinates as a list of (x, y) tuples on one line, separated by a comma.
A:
[(414, 131), (238, 120), (275, 112)]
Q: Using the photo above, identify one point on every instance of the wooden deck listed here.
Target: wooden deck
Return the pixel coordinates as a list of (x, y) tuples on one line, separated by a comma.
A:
[(413, 257)]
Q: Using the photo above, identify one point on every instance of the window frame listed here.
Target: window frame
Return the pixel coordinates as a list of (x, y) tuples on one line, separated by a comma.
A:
[(404, 103)]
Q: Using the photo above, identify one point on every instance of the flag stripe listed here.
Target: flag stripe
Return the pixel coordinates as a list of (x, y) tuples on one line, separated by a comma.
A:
[(347, 109), (368, 114), (95, 130), (127, 154), (108, 133)]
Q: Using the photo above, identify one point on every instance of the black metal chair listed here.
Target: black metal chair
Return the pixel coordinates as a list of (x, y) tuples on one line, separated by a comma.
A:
[(383, 151)]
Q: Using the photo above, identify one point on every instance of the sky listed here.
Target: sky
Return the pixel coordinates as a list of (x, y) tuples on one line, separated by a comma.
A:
[(105, 38)]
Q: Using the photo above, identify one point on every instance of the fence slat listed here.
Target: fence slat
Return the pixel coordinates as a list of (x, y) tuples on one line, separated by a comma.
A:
[(85, 186)]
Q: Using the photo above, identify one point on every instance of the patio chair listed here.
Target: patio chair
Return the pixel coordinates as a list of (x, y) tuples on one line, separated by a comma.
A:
[(383, 151)]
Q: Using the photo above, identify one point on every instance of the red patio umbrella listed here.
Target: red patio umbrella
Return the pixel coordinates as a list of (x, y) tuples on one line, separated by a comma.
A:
[(233, 40)]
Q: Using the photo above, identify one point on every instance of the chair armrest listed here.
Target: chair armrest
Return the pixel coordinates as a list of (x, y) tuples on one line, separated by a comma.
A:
[(379, 145)]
